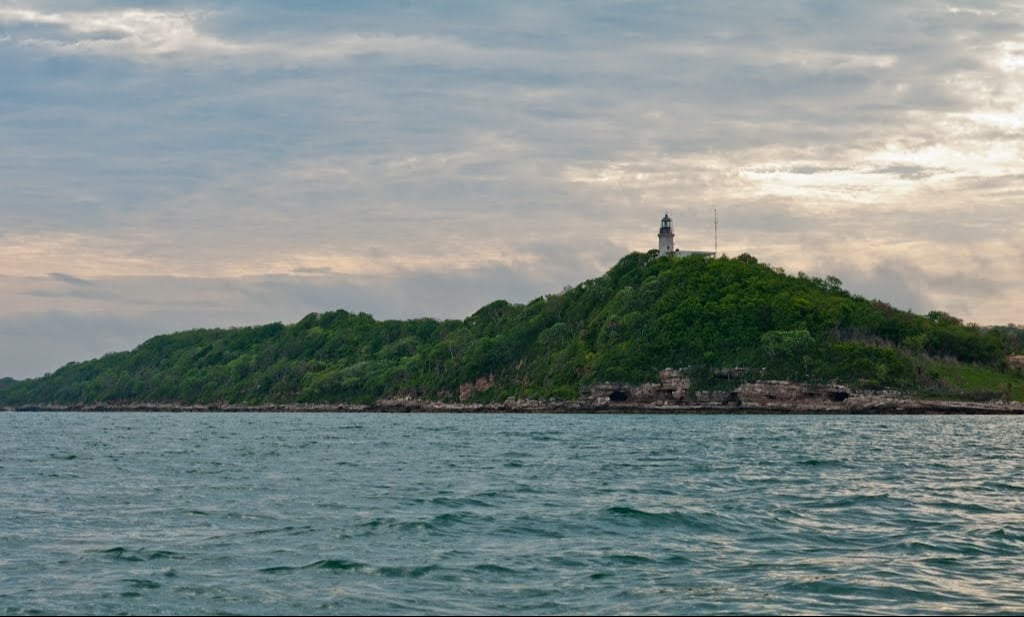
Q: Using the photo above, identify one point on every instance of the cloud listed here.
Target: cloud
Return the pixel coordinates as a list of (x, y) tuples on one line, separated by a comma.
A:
[(67, 278), (42, 342), (311, 270), (132, 32), (191, 162), (147, 35)]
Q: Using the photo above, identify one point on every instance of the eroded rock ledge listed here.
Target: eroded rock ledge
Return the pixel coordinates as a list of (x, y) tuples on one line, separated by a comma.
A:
[(671, 396)]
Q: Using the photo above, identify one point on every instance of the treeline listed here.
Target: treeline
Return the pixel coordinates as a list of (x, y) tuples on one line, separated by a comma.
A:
[(723, 320)]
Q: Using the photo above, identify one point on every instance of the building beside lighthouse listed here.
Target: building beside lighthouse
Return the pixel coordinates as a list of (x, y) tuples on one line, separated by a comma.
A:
[(667, 241)]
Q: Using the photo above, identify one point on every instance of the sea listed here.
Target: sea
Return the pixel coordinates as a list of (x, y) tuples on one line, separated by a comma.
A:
[(372, 513)]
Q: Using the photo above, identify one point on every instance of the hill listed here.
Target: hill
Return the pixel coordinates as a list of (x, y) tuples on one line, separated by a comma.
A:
[(722, 321)]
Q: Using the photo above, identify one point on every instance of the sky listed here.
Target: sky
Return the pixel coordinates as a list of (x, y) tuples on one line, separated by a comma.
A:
[(174, 165)]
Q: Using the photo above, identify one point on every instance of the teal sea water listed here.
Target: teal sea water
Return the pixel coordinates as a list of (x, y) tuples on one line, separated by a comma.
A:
[(146, 513)]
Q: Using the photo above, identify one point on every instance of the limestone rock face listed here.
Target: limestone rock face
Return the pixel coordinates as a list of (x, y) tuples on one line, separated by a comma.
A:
[(607, 392), (672, 387), (774, 393)]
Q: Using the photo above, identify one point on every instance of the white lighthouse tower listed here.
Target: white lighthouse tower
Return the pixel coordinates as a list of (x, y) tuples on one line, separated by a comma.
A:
[(666, 238)]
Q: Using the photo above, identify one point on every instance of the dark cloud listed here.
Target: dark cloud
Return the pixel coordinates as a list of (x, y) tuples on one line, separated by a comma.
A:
[(908, 172), (321, 270), (39, 343), (146, 306), (900, 285), (813, 169), (67, 278)]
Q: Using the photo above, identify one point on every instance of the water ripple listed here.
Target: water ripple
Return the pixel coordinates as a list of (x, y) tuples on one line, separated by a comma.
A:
[(461, 514)]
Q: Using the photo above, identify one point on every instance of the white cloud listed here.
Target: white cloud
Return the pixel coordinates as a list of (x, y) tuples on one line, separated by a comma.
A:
[(133, 32), (146, 34)]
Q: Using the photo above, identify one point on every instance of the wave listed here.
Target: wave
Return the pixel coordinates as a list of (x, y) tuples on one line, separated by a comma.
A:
[(345, 565), (673, 518), (127, 554)]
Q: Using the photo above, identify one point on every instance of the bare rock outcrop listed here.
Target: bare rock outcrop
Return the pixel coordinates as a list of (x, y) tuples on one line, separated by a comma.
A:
[(672, 388), (785, 393)]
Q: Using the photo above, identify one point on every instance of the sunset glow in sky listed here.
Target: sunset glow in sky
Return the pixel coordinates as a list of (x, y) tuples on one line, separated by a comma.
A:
[(171, 165)]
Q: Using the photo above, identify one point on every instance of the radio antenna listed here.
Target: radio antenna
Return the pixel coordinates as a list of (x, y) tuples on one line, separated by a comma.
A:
[(716, 232)]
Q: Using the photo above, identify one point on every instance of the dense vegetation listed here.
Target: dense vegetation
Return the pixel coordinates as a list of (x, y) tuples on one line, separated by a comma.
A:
[(645, 314)]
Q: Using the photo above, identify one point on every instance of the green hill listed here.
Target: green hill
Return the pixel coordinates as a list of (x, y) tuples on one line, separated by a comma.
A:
[(645, 314)]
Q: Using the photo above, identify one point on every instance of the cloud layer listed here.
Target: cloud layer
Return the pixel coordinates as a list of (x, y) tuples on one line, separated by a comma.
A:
[(224, 163)]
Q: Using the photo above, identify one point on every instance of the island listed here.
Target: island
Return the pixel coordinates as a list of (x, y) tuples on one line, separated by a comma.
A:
[(657, 333)]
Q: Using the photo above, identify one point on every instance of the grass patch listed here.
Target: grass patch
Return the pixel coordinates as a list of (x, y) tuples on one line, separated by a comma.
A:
[(971, 382)]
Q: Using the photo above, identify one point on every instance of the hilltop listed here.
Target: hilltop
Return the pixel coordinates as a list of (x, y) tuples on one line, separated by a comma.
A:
[(719, 322)]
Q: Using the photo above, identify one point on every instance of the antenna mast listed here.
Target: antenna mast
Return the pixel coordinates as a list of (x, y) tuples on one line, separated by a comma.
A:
[(716, 232)]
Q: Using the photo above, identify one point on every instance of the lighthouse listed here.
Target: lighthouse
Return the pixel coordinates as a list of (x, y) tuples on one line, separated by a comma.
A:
[(667, 244), (666, 238)]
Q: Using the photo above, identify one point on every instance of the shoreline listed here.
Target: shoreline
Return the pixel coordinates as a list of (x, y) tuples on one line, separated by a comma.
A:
[(856, 405)]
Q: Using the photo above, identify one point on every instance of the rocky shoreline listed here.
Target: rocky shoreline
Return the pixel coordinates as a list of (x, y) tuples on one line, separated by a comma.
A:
[(867, 404)]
